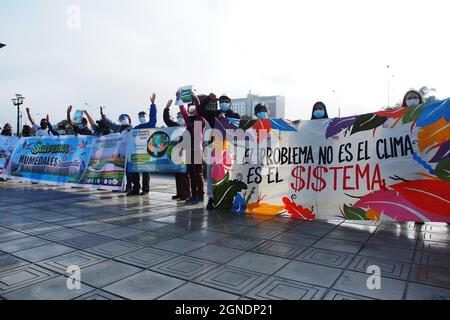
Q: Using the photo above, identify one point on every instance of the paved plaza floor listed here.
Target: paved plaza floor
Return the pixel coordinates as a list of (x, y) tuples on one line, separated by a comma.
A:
[(154, 248)]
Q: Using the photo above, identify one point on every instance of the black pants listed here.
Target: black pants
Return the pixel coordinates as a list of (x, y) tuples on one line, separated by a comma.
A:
[(183, 184), (197, 182), (136, 179)]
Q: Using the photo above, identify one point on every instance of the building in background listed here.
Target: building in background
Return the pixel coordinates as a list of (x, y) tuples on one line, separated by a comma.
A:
[(245, 106)]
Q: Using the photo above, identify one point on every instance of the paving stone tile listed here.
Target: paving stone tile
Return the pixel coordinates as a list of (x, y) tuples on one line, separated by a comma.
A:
[(86, 241), (95, 227), (309, 230), (186, 268), (148, 238), (279, 249), (260, 233), (417, 291), (8, 262), (192, 291), (389, 253), (389, 268), (215, 253), (120, 233), (356, 283), (146, 285), (434, 247), (309, 273), (358, 236), (114, 249), (432, 259), (231, 279), (17, 278), (99, 295), (430, 275), (281, 289), (148, 225), (146, 258), (240, 242), (44, 252), (205, 236), (227, 228), (339, 295), (258, 262), (81, 259), (178, 245), (22, 244), (326, 257), (64, 234), (351, 247), (9, 235), (296, 238), (107, 272), (53, 289)]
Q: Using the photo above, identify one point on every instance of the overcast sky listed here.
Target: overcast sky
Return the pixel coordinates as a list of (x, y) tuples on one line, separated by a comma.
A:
[(125, 50)]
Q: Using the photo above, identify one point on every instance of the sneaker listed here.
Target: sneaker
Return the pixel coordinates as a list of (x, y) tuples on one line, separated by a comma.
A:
[(176, 197), (210, 205), (183, 198), (144, 193), (192, 200), (127, 190), (133, 193)]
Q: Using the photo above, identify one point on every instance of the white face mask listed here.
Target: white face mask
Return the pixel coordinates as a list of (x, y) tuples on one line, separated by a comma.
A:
[(180, 121), (412, 102), (124, 122), (192, 110), (143, 120)]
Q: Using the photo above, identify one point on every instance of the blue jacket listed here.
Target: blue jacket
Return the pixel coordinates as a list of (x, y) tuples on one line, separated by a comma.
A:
[(153, 119)]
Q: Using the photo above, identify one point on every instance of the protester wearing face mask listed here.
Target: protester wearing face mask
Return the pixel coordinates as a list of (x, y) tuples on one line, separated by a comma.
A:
[(27, 131), (319, 111), (261, 111), (145, 123), (79, 128), (208, 110), (412, 98), (182, 180), (7, 130), (123, 126), (195, 165), (41, 130)]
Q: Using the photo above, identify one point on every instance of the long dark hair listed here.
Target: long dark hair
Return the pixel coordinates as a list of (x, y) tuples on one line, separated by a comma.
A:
[(316, 105), (412, 91)]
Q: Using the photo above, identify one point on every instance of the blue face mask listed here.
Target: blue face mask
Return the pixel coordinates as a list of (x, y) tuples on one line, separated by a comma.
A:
[(224, 106), (80, 126), (262, 115), (319, 113)]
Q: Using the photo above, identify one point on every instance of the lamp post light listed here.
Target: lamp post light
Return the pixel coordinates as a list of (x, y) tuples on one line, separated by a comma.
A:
[(18, 101)]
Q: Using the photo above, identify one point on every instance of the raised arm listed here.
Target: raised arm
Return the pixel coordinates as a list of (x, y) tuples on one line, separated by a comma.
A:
[(166, 115), (69, 119), (114, 126), (51, 129), (153, 112), (30, 117), (91, 121)]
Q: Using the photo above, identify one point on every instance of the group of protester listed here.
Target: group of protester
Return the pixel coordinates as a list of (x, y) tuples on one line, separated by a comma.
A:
[(189, 185)]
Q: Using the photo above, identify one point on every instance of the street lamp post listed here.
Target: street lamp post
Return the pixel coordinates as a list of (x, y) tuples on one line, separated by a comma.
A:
[(18, 101), (339, 105)]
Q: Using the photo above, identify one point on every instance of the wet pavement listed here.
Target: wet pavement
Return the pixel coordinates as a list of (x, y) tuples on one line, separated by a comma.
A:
[(154, 248)]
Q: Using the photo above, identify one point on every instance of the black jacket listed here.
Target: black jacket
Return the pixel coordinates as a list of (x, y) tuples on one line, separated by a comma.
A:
[(211, 115), (166, 117)]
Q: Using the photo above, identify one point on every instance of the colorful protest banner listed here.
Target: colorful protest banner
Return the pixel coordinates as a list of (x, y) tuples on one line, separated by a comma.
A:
[(7, 145), (106, 168), (388, 165), (150, 150), (71, 161)]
